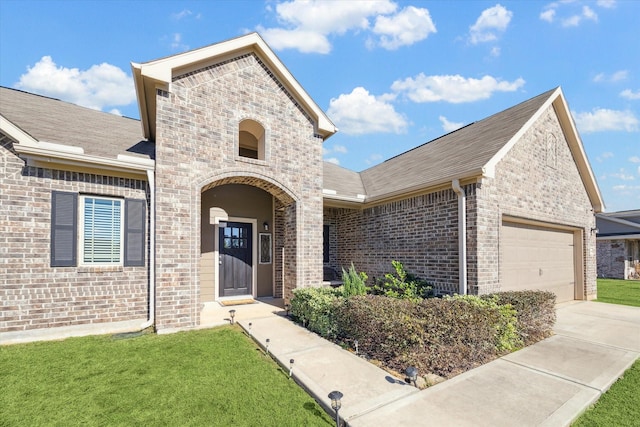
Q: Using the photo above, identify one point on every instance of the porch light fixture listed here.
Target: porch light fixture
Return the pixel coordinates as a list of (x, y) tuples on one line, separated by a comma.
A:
[(595, 230), (266, 226), (336, 404), (267, 346), (232, 313), (290, 367), (412, 374)]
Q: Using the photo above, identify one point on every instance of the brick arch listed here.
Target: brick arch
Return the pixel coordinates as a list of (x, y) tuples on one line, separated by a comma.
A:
[(277, 190)]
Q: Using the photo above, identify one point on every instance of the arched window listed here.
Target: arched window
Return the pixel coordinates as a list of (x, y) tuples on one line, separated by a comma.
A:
[(251, 140)]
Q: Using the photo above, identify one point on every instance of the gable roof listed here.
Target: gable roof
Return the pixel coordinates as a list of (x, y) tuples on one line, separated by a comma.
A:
[(621, 225), (48, 128), (149, 76), (471, 152)]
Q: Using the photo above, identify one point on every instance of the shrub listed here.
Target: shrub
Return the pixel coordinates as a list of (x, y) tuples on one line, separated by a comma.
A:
[(402, 285), (443, 336), (353, 283), (315, 307), (535, 311)]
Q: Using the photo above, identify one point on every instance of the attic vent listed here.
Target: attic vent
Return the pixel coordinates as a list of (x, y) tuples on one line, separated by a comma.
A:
[(251, 140)]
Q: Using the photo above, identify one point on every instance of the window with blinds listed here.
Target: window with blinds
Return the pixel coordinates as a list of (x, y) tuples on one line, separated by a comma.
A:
[(102, 233)]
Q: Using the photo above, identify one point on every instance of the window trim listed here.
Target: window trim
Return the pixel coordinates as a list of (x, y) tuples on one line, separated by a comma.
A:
[(81, 230)]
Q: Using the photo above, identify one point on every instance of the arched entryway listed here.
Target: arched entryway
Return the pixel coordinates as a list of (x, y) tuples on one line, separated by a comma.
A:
[(248, 240)]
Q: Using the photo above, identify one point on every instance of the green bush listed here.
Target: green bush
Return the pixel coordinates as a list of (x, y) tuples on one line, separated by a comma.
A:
[(315, 309), (535, 310), (402, 285), (353, 283)]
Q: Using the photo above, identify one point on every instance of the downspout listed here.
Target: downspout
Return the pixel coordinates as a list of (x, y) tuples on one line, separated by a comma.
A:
[(152, 250), (462, 236)]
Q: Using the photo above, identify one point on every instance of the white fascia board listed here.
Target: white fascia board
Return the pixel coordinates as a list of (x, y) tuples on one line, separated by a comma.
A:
[(48, 155), (162, 70), (17, 134), (490, 166), (577, 149)]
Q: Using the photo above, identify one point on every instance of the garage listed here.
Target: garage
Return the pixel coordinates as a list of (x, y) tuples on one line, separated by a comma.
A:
[(536, 257)]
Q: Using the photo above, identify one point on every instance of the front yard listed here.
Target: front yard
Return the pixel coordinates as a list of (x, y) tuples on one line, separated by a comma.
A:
[(620, 406), (215, 377)]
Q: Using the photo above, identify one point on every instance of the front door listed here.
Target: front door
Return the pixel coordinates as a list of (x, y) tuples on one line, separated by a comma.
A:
[(236, 260)]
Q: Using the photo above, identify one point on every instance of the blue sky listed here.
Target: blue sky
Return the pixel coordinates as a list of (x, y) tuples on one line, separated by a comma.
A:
[(390, 74)]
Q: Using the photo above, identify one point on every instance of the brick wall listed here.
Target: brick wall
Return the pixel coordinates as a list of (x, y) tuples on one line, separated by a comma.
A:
[(34, 295), (196, 148), (421, 232), (538, 180), (612, 255)]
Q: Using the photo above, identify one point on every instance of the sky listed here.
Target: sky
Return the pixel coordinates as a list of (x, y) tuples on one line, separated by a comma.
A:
[(390, 74)]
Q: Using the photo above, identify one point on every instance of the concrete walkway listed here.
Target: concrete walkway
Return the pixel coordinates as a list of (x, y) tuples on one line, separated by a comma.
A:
[(547, 384)]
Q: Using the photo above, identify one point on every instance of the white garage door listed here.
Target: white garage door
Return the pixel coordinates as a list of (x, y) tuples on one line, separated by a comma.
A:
[(537, 258)]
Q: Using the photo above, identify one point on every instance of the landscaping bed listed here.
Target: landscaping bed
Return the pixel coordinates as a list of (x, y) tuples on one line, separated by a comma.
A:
[(396, 326)]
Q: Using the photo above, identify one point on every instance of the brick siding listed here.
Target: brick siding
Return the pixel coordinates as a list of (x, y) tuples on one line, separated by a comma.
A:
[(33, 294), (196, 148)]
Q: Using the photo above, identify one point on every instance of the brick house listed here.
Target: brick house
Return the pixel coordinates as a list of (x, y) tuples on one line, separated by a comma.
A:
[(618, 244), (224, 194)]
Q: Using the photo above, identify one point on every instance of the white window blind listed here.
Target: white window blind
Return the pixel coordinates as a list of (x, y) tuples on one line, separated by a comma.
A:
[(102, 240)]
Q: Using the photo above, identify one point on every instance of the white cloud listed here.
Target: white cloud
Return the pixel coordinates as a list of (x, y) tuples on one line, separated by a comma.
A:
[(629, 94), (604, 156), (333, 160), (634, 159), (373, 159), (340, 149), (98, 87), (622, 174), (626, 189), (182, 14), (359, 113), (407, 27), (115, 111), (617, 76), (551, 11), (454, 89), (603, 119), (176, 42), (491, 21), (495, 51), (448, 126), (607, 4), (306, 25), (548, 15)]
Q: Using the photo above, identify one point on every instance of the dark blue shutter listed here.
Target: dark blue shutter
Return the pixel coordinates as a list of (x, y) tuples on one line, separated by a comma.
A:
[(64, 229), (134, 236)]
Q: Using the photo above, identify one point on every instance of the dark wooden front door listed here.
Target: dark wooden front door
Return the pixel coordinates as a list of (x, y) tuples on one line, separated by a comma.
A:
[(236, 259)]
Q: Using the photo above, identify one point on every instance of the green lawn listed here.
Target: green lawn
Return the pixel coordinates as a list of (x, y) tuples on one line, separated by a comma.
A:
[(620, 406), (214, 377), (626, 292)]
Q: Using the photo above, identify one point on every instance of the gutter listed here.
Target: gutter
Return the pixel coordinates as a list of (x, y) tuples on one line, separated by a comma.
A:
[(152, 251), (462, 235)]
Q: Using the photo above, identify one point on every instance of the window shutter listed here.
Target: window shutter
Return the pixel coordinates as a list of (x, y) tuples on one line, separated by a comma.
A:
[(134, 238), (64, 226)]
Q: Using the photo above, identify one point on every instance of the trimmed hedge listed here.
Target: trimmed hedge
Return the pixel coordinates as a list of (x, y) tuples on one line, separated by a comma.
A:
[(315, 309), (535, 310), (443, 336)]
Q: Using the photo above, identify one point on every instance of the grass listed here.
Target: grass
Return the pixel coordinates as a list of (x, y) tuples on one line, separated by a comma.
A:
[(620, 406), (214, 377), (625, 292)]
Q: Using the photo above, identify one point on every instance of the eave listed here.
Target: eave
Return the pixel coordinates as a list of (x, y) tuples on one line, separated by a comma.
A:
[(159, 74)]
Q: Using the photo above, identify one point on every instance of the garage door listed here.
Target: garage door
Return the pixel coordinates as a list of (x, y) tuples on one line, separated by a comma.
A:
[(537, 258)]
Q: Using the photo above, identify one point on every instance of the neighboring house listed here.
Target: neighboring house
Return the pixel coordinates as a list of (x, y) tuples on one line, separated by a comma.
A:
[(223, 194), (619, 244)]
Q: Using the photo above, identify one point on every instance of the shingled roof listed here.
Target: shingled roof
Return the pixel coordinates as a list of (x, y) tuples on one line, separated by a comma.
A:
[(50, 120)]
